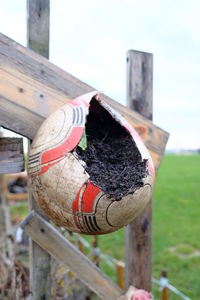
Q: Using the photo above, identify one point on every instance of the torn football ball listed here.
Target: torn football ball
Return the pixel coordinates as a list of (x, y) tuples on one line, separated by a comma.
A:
[(89, 170)]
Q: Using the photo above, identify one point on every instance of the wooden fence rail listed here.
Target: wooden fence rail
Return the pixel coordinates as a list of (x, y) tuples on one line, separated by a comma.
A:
[(25, 75), (44, 234)]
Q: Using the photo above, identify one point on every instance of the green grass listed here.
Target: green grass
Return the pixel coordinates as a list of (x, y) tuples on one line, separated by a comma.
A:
[(176, 227), (176, 224), (19, 209), (183, 249)]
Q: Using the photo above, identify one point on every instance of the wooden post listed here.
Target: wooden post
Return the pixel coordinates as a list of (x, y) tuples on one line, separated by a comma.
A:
[(120, 274), (2, 230), (165, 289), (8, 229), (2, 225), (95, 251), (80, 245), (11, 155), (38, 12), (138, 235)]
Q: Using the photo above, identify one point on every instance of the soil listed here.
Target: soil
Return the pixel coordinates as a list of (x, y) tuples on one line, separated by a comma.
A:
[(111, 157)]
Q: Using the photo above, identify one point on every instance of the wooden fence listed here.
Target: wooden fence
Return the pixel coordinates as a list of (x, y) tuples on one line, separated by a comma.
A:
[(30, 89)]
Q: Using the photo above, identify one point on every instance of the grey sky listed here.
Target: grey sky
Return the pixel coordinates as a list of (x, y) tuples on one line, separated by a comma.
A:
[(90, 38)]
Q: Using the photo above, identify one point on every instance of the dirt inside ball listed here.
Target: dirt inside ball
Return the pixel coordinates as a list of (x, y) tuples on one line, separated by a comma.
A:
[(88, 169)]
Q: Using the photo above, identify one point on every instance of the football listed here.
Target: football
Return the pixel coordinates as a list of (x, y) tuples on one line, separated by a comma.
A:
[(89, 170)]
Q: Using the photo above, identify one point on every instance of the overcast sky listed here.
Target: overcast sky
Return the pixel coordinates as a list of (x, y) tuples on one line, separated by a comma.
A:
[(89, 39)]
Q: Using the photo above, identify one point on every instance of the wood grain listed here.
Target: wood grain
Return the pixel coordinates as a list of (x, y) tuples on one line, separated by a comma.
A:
[(11, 155), (9, 231), (54, 243), (140, 66), (2, 223), (38, 14), (138, 234), (32, 87), (38, 19)]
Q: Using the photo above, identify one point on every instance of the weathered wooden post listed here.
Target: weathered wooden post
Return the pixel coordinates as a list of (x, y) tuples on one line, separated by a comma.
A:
[(11, 161), (2, 227), (38, 12), (138, 236), (1, 210), (80, 245), (96, 251)]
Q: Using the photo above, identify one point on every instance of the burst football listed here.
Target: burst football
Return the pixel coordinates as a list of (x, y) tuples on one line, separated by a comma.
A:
[(71, 179)]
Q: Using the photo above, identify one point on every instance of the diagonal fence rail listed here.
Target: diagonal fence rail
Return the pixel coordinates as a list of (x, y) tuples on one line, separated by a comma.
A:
[(43, 233)]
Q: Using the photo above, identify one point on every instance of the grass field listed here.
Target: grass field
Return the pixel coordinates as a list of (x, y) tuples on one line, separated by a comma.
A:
[(176, 227), (176, 223)]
